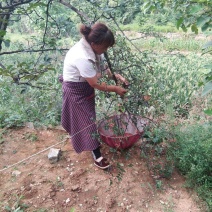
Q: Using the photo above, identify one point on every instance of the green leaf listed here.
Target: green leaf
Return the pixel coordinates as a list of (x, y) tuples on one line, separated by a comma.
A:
[(6, 43), (208, 112), (34, 5), (200, 84), (23, 90), (184, 28), (195, 9), (207, 89), (41, 83), (18, 210), (208, 66), (179, 22), (209, 78), (194, 29), (208, 44), (20, 11), (7, 208), (205, 27), (148, 6), (201, 21), (2, 33)]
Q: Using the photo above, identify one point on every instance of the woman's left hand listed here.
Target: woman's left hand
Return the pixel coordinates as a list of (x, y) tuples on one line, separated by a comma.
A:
[(122, 79)]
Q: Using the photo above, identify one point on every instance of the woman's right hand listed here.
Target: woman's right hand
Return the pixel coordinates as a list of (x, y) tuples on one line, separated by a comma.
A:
[(120, 91), (93, 82)]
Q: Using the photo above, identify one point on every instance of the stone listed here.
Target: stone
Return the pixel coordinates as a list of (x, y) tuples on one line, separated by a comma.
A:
[(16, 173), (75, 188), (67, 201), (30, 125), (60, 128), (161, 202), (54, 155)]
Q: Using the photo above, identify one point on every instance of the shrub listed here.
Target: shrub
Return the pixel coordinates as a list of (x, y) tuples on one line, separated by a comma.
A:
[(192, 153)]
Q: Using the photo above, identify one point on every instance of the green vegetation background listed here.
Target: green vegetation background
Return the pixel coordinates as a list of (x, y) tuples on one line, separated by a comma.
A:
[(178, 69)]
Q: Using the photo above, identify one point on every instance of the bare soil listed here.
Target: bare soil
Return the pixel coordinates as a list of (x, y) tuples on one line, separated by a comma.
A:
[(75, 184)]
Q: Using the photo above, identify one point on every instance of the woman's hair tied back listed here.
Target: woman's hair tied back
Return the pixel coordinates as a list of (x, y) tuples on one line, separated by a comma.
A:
[(85, 30), (99, 33)]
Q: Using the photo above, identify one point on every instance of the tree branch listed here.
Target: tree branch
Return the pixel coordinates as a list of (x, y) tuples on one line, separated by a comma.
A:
[(81, 14), (46, 23), (32, 51), (113, 18), (15, 5), (2, 66), (4, 20)]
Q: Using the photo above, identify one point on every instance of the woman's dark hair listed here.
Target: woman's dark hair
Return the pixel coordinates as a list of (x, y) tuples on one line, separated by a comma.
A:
[(99, 33)]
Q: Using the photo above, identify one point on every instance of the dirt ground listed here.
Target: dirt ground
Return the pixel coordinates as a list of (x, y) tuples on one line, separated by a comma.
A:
[(74, 184)]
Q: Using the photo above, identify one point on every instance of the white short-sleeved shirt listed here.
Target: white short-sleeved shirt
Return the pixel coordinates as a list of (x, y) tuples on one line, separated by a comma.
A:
[(81, 62)]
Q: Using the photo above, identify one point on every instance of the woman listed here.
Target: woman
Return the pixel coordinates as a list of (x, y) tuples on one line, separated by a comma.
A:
[(82, 67)]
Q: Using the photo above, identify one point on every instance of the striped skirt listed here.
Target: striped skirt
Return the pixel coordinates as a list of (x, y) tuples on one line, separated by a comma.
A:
[(78, 115)]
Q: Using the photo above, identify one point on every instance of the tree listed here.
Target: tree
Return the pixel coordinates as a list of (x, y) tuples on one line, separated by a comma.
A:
[(42, 15), (27, 63), (193, 14)]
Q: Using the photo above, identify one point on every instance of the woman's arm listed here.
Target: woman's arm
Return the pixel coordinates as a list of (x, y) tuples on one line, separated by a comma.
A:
[(104, 87), (118, 77)]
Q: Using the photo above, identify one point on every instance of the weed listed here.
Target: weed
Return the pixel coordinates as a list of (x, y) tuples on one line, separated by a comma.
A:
[(192, 154), (150, 187), (18, 206), (169, 207), (127, 153), (59, 183), (31, 136), (159, 184), (1, 138), (120, 171), (154, 152), (14, 151)]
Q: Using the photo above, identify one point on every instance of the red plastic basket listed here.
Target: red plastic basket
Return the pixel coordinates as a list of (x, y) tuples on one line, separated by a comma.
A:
[(121, 131)]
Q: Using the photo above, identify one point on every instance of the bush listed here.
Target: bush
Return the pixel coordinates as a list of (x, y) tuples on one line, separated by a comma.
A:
[(40, 106), (192, 153)]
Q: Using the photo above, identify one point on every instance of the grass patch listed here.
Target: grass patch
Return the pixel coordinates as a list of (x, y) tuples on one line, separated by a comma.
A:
[(192, 153), (162, 43), (15, 37), (143, 28), (40, 106)]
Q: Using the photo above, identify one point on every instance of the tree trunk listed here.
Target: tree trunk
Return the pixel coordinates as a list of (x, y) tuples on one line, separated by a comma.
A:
[(4, 20)]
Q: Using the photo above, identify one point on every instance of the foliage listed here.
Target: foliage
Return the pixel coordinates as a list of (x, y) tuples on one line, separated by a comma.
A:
[(192, 153), (61, 22), (32, 105), (160, 83), (31, 136), (164, 43), (136, 68), (177, 81), (120, 167), (188, 14), (135, 27), (207, 49), (171, 83), (154, 151), (17, 206)]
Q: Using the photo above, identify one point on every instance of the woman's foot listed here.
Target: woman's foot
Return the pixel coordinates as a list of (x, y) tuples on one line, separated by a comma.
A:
[(102, 163)]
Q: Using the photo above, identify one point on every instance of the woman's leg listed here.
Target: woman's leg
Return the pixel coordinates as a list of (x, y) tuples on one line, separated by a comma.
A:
[(96, 153), (100, 162)]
